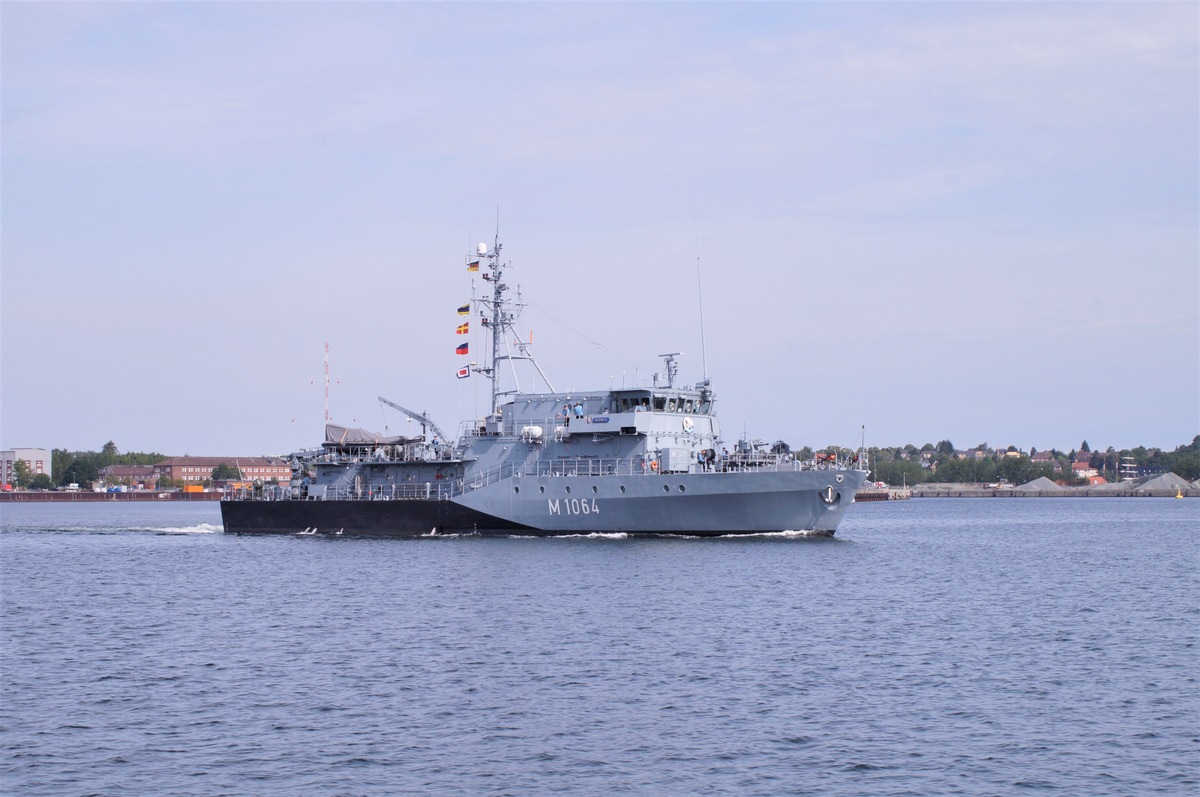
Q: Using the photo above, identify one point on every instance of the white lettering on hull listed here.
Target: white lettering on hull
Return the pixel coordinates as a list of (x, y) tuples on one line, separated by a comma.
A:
[(573, 506)]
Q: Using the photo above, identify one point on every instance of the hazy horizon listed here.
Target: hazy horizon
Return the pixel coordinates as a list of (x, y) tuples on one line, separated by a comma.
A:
[(977, 222)]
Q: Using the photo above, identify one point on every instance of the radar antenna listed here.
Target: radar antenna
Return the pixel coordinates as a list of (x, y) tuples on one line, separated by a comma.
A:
[(672, 367)]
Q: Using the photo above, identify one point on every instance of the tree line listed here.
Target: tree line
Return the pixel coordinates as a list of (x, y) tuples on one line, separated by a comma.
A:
[(83, 467), (942, 463)]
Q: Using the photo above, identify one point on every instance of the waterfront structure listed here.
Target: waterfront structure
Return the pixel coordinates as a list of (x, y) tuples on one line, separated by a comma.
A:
[(37, 460)]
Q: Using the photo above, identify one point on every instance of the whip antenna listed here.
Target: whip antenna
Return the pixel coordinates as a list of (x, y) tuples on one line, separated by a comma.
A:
[(700, 296)]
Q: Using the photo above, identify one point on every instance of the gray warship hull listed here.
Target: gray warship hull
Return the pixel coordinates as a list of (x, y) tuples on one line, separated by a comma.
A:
[(684, 504)]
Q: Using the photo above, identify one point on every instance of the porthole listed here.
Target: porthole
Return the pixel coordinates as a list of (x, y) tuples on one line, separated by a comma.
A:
[(567, 489), (541, 489), (682, 488), (622, 488), (516, 490), (666, 488), (595, 489)]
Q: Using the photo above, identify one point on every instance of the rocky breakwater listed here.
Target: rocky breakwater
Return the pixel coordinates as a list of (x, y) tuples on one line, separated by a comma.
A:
[(1168, 485)]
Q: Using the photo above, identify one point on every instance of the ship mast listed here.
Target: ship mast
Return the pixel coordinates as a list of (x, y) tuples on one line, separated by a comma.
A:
[(500, 317)]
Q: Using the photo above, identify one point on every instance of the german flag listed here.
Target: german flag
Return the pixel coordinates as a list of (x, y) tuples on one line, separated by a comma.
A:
[(462, 329), (462, 349), (473, 265)]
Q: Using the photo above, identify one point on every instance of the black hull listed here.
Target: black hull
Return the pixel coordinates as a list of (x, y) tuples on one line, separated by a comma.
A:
[(360, 518)]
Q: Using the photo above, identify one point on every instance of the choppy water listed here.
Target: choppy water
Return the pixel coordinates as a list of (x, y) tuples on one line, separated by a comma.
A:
[(933, 647)]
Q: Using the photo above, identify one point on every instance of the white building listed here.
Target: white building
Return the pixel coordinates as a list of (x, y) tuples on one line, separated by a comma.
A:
[(37, 459)]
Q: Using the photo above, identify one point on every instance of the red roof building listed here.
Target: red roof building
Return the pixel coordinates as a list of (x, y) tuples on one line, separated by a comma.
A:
[(196, 470)]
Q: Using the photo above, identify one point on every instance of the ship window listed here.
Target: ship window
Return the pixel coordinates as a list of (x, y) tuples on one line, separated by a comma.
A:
[(705, 407), (567, 489), (659, 402), (687, 406), (541, 489), (666, 488), (594, 489), (682, 489), (670, 405), (622, 488), (516, 490)]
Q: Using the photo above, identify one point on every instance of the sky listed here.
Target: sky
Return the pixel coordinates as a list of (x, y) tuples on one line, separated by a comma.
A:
[(892, 222)]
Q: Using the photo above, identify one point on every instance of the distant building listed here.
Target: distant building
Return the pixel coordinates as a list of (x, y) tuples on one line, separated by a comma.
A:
[(194, 470), (36, 459), (136, 476), (1083, 470), (1042, 456)]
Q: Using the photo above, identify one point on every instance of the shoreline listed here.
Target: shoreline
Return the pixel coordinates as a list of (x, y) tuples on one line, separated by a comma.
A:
[(146, 496), (955, 491)]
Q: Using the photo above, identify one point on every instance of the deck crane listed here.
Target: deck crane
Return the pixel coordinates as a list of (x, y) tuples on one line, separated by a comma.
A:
[(416, 416)]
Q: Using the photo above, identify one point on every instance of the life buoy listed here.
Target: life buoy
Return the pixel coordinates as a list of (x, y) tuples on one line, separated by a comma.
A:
[(654, 465), (688, 424)]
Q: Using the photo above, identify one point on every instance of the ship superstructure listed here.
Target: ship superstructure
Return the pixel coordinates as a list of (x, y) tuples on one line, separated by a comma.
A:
[(640, 460)]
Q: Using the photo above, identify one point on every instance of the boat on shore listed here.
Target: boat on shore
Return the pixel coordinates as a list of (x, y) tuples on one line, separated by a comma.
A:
[(644, 460)]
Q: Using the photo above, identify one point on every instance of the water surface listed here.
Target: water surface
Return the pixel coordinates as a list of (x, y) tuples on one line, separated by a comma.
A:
[(935, 646)]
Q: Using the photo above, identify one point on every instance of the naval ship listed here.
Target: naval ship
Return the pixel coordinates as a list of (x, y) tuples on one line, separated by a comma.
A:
[(638, 461)]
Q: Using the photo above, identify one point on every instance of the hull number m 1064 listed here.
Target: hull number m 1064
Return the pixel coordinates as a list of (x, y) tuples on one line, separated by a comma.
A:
[(573, 506)]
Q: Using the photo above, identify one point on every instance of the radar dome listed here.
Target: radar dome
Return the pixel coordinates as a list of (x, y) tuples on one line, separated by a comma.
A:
[(481, 249)]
